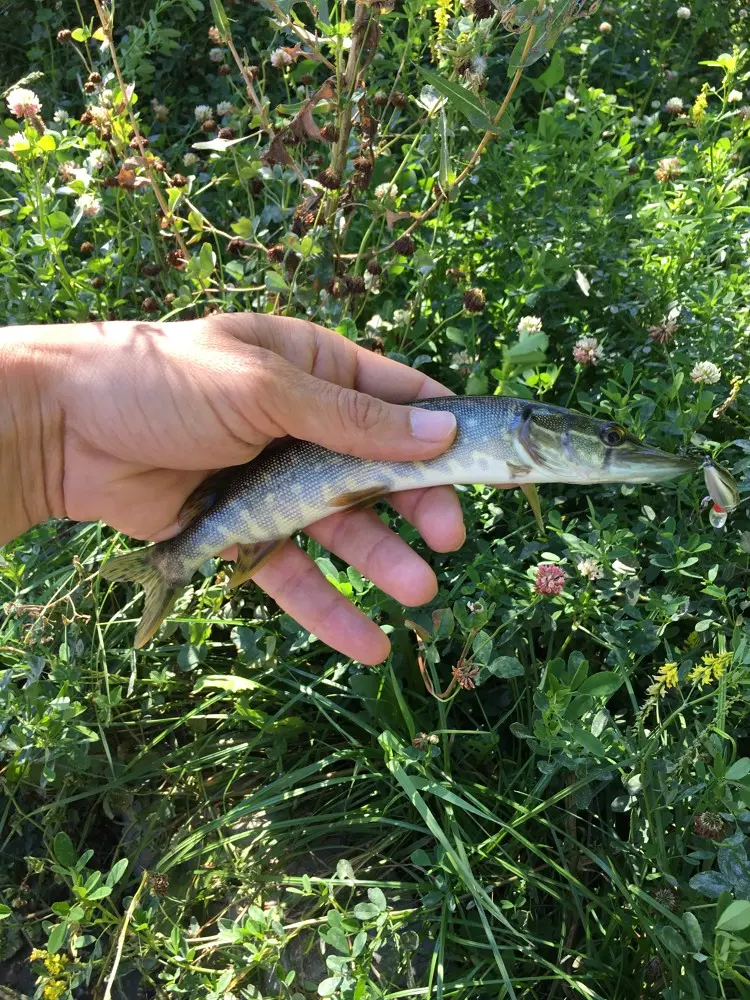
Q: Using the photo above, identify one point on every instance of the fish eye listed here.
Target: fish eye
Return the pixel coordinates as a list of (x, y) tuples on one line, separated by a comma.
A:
[(612, 435)]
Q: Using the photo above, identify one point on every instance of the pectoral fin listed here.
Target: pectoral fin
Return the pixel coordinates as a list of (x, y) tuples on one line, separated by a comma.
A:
[(359, 499), (250, 558), (532, 495)]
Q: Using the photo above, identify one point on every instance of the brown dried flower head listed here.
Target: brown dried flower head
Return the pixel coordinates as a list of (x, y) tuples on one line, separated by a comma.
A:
[(276, 253), (668, 168), (405, 245), (330, 179), (209, 125), (663, 333), (87, 247), (336, 288), (95, 78), (236, 246), (355, 284), (214, 35), (709, 825), (474, 300), (150, 269), (224, 69), (329, 132), (226, 133), (176, 259), (374, 267), (150, 304), (64, 35)]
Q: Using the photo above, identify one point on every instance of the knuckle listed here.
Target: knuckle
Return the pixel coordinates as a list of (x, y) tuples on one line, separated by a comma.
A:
[(360, 411)]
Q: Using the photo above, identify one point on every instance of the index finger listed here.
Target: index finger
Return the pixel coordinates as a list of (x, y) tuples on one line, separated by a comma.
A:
[(331, 356)]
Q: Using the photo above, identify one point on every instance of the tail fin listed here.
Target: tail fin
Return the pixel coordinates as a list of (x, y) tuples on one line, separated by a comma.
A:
[(160, 593)]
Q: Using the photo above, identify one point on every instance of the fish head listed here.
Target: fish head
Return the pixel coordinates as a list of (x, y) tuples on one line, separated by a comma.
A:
[(572, 447)]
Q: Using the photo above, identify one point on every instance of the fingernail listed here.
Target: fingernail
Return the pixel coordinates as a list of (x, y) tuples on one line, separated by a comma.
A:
[(432, 425)]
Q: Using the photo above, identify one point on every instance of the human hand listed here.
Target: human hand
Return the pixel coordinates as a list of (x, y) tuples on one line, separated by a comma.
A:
[(139, 413)]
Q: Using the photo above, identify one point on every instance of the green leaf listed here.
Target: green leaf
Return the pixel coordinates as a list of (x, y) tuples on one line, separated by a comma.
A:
[(56, 938), (64, 851), (275, 283), (588, 741), (58, 221), (736, 917), (505, 667), (101, 892), (377, 898), (117, 871), (329, 986), (528, 350), (243, 227), (674, 941), (207, 260), (738, 770), (226, 682), (5, 911), (465, 101), (554, 72), (693, 931), (365, 911), (482, 648), (601, 685), (80, 34), (220, 18)]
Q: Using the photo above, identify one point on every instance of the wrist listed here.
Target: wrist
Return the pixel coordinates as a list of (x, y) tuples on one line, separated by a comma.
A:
[(31, 432)]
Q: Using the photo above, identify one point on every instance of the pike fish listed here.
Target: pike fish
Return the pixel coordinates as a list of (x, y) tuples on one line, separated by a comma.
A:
[(259, 505)]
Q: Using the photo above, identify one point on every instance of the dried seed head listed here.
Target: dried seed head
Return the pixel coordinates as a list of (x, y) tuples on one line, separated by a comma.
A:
[(236, 246), (256, 186), (158, 884), (654, 969), (87, 247), (474, 300), (149, 269), (336, 288), (668, 898), (64, 35), (89, 87), (97, 282), (209, 125), (363, 163), (306, 79), (179, 180), (214, 35), (374, 344), (329, 132), (709, 825), (380, 100), (367, 126), (226, 133), (276, 253), (251, 72), (291, 263), (134, 144), (373, 267), (330, 179), (95, 78), (481, 9), (663, 333), (176, 259), (399, 100), (361, 181), (224, 70), (355, 284), (405, 245), (455, 274), (150, 304), (86, 118)]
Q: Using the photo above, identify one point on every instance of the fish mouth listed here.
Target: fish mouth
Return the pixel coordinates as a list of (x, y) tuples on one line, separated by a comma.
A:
[(650, 465)]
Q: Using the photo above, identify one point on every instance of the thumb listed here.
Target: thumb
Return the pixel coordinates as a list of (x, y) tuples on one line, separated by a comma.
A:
[(349, 421)]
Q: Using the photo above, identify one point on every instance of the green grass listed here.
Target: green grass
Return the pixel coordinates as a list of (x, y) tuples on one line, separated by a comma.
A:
[(267, 818)]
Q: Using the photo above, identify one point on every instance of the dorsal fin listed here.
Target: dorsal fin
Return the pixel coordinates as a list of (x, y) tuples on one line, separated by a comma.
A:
[(204, 496)]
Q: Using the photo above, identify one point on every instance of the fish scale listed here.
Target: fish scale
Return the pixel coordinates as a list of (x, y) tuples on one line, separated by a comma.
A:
[(499, 439)]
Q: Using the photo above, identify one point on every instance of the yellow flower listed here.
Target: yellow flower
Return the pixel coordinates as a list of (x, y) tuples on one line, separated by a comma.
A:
[(55, 964), (36, 954), (701, 674), (718, 663), (692, 640), (698, 110), (666, 677), (54, 989), (442, 17)]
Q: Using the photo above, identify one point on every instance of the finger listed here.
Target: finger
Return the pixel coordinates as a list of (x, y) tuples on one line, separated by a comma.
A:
[(284, 400), (361, 538), (331, 357), (435, 513), (298, 586)]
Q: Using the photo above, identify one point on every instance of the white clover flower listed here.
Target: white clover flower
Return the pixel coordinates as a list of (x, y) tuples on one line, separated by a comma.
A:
[(280, 58), (588, 351), (216, 55), (17, 142), (401, 317), (97, 159), (705, 372), (675, 106), (634, 122), (99, 115), (529, 324), (604, 28), (203, 112), (742, 13), (590, 568), (386, 192), (189, 159), (371, 283), (89, 204), (224, 108), (61, 116), (684, 13), (23, 103), (734, 96), (650, 120)]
